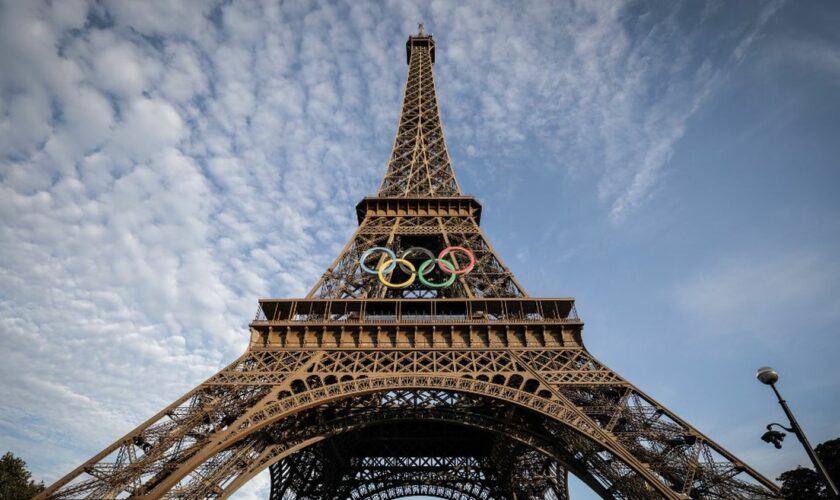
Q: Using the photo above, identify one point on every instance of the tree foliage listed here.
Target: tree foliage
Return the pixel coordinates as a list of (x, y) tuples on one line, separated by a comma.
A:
[(15, 479), (829, 453), (805, 484)]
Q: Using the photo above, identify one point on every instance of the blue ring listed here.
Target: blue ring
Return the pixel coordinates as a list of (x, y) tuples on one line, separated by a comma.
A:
[(390, 253)]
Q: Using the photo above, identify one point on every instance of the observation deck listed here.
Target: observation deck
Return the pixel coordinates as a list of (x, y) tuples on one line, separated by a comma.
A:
[(419, 41), (445, 206), (452, 323)]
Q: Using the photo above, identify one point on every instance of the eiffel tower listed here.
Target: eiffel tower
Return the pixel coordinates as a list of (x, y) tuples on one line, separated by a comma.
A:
[(416, 365)]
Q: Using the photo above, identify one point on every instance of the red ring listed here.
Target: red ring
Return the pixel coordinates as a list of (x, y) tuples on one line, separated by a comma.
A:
[(465, 270)]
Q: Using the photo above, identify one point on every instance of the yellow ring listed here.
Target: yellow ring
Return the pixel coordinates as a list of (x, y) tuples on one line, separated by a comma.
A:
[(384, 265)]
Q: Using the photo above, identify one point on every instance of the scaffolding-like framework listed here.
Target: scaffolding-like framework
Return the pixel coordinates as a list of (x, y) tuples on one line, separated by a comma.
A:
[(366, 391)]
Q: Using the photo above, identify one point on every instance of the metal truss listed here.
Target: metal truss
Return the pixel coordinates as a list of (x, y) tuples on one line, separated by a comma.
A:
[(601, 429), (489, 278), (360, 391), (420, 164)]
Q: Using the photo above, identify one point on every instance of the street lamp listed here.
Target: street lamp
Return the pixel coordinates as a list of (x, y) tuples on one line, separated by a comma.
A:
[(769, 376)]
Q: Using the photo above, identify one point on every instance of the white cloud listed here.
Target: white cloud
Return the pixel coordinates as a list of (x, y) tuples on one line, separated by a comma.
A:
[(119, 66), (25, 125), (163, 164), (754, 293), (150, 192), (256, 489), (88, 120), (149, 126), (605, 88), (184, 77)]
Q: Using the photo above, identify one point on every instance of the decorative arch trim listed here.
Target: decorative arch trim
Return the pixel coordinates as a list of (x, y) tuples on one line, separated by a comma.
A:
[(559, 411)]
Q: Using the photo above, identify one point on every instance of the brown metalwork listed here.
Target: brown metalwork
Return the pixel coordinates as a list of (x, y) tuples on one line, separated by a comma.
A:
[(476, 391)]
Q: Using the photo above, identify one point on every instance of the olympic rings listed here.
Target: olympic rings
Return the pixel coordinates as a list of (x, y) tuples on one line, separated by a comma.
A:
[(425, 251), (465, 270), (391, 261), (391, 256), (405, 283), (421, 273)]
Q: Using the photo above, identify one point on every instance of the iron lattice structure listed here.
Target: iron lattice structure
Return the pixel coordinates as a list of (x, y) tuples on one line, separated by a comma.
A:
[(365, 391)]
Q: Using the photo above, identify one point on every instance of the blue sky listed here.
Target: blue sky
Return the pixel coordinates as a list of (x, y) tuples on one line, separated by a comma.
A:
[(674, 166)]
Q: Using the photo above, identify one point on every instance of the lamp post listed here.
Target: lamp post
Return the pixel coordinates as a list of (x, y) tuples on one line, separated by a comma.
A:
[(769, 376)]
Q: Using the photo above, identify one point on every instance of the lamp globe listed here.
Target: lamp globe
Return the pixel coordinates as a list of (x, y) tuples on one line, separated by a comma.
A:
[(767, 375)]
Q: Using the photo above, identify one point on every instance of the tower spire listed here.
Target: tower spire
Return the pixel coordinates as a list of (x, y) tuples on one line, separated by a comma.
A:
[(420, 165)]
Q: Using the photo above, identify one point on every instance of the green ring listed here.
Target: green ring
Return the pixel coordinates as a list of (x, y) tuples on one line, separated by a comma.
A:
[(431, 262)]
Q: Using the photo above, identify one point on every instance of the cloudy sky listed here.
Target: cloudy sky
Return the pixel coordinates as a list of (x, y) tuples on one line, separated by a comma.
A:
[(162, 165)]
